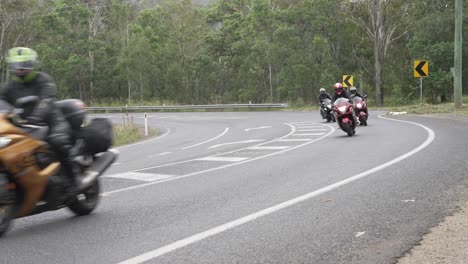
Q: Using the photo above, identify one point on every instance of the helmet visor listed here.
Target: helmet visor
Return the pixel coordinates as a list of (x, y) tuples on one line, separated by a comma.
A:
[(19, 66)]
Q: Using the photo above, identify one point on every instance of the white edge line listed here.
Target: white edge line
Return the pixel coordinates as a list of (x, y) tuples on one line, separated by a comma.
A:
[(209, 140), (219, 229), (146, 141), (332, 129)]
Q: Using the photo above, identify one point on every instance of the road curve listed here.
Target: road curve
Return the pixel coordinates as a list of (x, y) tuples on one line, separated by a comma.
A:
[(160, 193)]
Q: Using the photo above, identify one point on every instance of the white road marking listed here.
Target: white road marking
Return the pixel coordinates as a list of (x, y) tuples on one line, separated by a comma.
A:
[(249, 218), (228, 159), (270, 147), (116, 163), (358, 234), (293, 129), (312, 130), (238, 142), (256, 128), (309, 127), (209, 140), (160, 154), (309, 134), (407, 201), (146, 141), (138, 176), (294, 139)]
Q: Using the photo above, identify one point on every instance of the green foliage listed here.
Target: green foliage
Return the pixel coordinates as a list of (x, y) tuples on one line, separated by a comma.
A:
[(236, 51)]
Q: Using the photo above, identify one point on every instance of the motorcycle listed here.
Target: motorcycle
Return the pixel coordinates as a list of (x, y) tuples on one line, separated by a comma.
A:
[(326, 111), (344, 112), (31, 178), (360, 107)]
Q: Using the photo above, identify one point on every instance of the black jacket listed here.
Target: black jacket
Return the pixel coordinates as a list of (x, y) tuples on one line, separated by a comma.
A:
[(356, 94), (343, 94), (323, 96), (42, 86)]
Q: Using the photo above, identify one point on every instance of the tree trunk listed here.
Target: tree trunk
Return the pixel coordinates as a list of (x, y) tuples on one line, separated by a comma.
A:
[(378, 77), (271, 86)]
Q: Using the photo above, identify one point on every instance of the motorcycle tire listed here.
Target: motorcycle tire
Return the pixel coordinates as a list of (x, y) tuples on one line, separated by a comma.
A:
[(347, 128), (7, 214), (329, 119), (333, 118), (364, 122), (86, 202)]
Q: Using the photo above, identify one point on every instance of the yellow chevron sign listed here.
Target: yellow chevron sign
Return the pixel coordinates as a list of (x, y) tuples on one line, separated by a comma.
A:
[(421, 68), (347, 80)]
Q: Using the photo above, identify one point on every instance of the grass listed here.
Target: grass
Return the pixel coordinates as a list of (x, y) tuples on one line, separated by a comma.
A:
[(431, 109), (129, 133)]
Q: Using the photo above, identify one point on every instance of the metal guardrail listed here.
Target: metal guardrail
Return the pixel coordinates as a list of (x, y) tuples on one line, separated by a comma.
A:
[(185, 107)]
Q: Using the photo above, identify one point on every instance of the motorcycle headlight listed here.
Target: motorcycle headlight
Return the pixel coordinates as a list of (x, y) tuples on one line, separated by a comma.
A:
[(329, 106), (359, 105), (4, 141), (342, 109)]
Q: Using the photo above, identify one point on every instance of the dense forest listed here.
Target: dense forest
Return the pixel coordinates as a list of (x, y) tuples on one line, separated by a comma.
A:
[(236, 51)]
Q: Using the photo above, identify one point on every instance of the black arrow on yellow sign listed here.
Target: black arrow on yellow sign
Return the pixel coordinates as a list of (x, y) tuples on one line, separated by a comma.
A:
[(347, 80), (421, 68)]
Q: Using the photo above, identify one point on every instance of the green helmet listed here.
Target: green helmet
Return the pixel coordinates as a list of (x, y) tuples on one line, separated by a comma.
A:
[(24, 63)]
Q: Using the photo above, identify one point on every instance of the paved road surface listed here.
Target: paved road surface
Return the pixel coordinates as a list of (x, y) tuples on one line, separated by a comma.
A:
[(261, 187)]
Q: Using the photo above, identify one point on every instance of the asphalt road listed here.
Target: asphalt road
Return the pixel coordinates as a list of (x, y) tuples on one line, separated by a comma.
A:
[(261, 187)]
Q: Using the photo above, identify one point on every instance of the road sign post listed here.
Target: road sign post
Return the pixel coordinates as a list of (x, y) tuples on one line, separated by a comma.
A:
[(146, 125), (458, 93), (420, 70)]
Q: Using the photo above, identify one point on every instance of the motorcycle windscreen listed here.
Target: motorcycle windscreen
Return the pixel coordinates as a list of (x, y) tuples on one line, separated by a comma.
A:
[(357, 100), (341, 101)]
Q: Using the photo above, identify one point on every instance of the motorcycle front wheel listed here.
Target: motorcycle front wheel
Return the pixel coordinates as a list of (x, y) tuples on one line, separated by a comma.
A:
[(7, 211), (87, 201), (347, 128)]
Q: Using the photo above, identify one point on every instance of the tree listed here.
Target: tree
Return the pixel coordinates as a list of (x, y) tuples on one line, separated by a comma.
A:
[(384, 22)]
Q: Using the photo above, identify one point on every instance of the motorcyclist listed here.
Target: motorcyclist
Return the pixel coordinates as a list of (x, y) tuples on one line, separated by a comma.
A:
[(353, 93), (322, 96), (27, 80), (342, 93), (339, 92)]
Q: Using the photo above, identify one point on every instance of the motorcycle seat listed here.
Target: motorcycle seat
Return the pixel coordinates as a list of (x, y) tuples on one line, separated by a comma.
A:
[(39, 132)]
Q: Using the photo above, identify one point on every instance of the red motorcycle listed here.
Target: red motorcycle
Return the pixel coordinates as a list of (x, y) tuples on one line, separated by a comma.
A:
[(360, 108), (344, 112)]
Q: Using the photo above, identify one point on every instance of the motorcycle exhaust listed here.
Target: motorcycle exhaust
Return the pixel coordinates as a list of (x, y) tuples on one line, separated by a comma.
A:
[(100, 165)]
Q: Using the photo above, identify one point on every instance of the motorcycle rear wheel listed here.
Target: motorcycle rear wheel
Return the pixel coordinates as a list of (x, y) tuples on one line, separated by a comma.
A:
[(86, 202), (363, 121)]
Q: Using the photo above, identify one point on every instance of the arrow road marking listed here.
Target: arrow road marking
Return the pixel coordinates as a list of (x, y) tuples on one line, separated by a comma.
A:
[(239, 142), (255, 128)]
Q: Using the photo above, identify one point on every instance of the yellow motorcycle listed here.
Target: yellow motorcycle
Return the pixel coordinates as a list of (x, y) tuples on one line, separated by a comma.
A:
[(31, 178)]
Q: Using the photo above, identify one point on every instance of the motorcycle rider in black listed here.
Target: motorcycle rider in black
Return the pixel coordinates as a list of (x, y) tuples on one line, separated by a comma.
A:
[(27, 80), (339, 92), (322, 96), (354, 93)]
